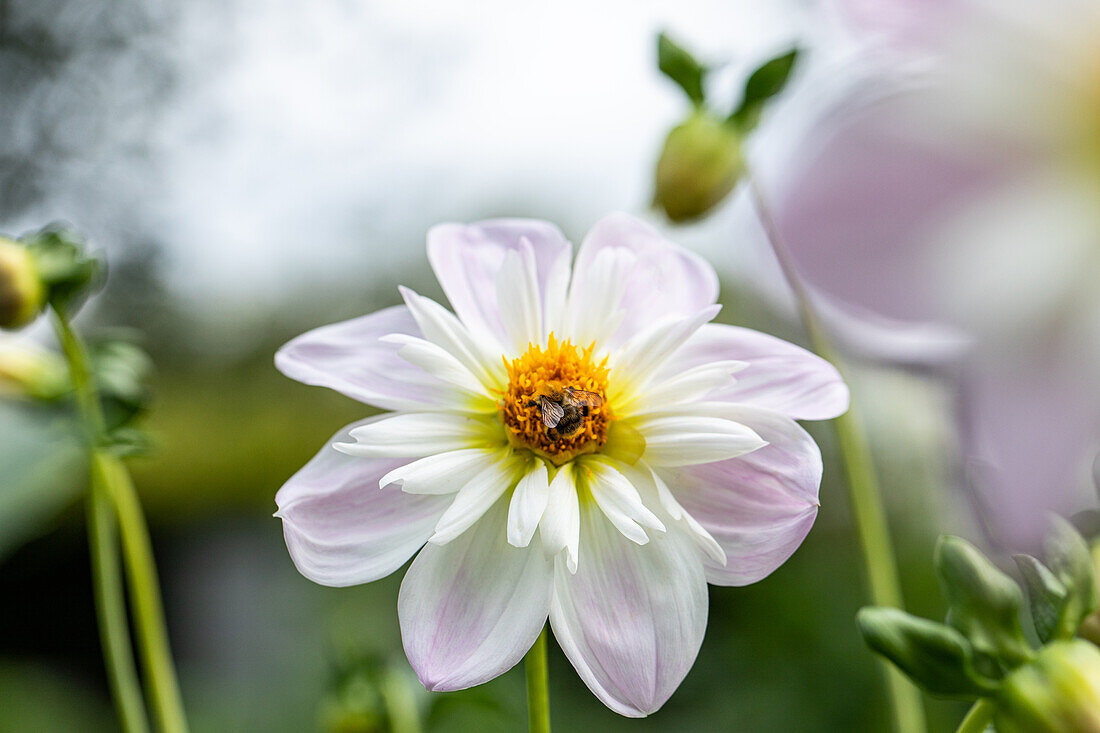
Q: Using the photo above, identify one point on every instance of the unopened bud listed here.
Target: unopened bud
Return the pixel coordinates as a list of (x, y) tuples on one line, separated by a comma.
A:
[(22, 292), (28, 370), (699, 166), (1056, 692)]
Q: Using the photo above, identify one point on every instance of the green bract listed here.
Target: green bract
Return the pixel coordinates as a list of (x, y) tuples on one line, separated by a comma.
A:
[(982, 651)]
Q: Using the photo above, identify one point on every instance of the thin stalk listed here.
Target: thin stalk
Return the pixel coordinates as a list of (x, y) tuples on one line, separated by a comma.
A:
[(978, 719), (400, 703), (111, 485), (538, 686), (869, 514), (114, 631), (145, 602)]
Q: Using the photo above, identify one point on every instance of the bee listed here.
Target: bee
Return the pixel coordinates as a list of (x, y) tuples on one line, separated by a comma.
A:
[(563, 409)]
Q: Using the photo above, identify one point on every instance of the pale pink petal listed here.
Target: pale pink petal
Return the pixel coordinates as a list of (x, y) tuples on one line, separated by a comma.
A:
[(1033, 431), (341, 529), (760, 506), (664, 280), (467, 259), (780, 376), (632, 618), (859, 198), (471, 609), (351, 358)]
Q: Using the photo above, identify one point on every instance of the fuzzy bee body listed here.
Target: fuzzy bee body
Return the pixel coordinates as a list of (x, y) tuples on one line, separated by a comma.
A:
[(563, 409)]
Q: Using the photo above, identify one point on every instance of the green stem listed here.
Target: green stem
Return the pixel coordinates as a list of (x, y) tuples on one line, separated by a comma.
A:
[(978, 719), (114, 631), (538, 688), (868, 512), (400, 703), (112, 486), (145, 603)]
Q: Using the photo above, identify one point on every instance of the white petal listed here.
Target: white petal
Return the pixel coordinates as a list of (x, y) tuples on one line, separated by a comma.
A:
[(442, 328), (467, 258), (443, 473), (341, 532), (442, 365), (471, 609), (518, 298), (758, 507), (411, 435), (560, 527), (652, 487), (351, 358), (475, 498), (780, 375), (528, 505), (594, 309), (683, 440), (632, 618), (685, 387), (664, 279), (619, 500), (634, 365)]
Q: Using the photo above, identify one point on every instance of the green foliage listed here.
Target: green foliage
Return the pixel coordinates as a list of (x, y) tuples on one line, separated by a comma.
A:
[(983, 653), (680, 66), (70, 275), (1069, 560), (1046, 594), (766, 82), (934, 655), (983, 602)]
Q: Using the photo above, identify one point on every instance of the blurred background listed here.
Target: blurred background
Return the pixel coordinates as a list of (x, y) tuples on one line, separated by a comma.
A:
[(254, 169)]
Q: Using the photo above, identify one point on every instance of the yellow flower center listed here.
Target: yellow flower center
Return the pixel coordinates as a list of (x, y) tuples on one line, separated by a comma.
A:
[(554, 405)]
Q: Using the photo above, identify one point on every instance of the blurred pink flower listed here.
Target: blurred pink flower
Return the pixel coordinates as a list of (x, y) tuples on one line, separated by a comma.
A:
[(958, 183), (571, 443)]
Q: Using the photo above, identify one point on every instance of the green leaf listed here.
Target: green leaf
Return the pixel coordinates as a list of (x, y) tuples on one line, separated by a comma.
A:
[(1046, 595), (677, 64), (763, 84), (984, 603), (935, 656), (70, 274), (1070, 562), (122, 370)]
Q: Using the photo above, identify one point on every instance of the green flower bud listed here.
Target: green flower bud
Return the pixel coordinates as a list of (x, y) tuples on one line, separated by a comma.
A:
[(22, 292), (1058, 691), (699, 166)]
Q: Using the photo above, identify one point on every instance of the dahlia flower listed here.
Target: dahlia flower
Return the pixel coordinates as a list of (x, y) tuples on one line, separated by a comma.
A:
[(573, 443), (955, 182)]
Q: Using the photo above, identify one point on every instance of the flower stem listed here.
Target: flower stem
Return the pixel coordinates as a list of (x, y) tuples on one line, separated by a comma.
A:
[(868, 512), (978, 719), (145, 603), (538, 690), (113, 496), (114, 631)]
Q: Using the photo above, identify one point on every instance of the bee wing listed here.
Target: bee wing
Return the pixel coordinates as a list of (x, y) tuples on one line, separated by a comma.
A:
[(584, 397), (552, 412)]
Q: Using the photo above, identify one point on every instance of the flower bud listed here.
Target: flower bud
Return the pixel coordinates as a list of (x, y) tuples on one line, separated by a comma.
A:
[(1058, 691), (699, 166), (22, 292), (27, 370)]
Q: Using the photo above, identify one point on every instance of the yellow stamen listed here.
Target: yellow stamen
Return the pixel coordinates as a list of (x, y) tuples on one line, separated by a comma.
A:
[(547, 373)]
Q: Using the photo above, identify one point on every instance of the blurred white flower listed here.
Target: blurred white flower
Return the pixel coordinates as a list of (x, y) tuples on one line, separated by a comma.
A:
[(959, 182)]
